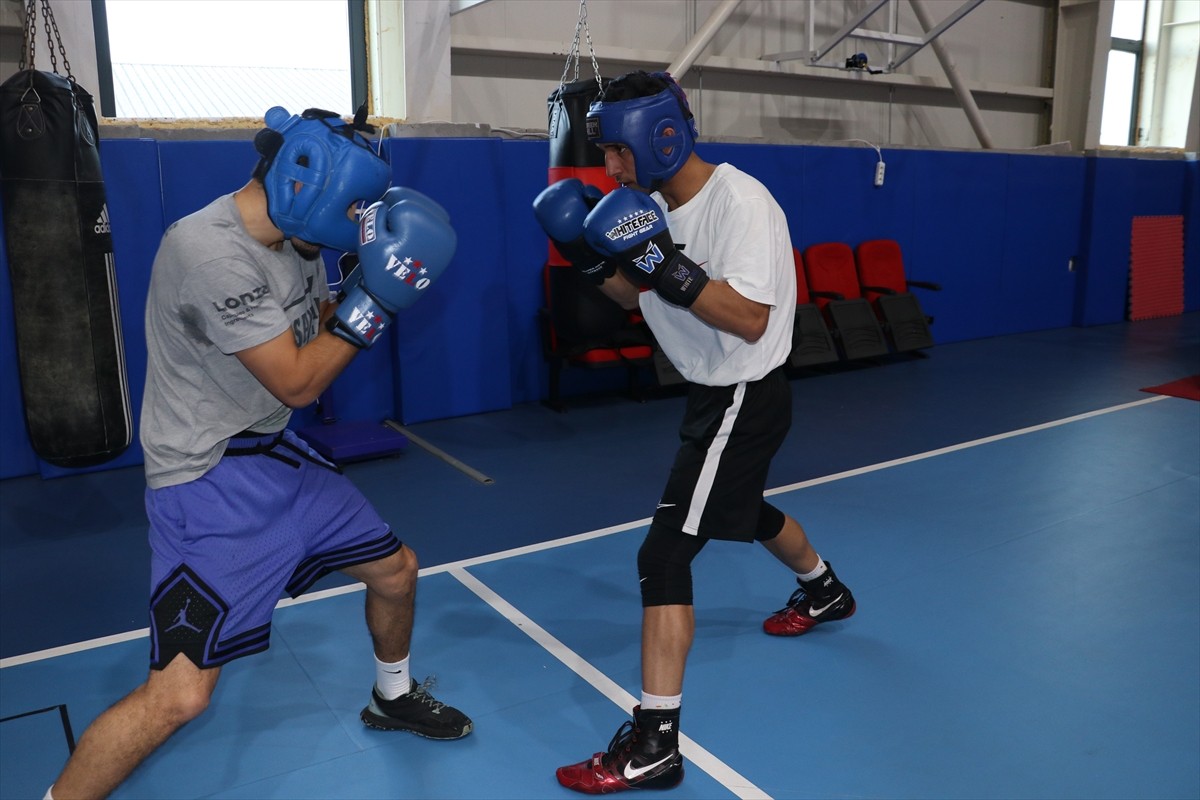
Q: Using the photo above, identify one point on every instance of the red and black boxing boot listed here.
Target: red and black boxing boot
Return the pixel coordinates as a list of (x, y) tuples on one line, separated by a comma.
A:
[(643, 754), (823, 599)]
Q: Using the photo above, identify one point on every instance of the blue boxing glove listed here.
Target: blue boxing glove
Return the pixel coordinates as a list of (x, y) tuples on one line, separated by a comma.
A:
[(403, 248), (560, 209), (631, 229), (347, 263), (397, 193)]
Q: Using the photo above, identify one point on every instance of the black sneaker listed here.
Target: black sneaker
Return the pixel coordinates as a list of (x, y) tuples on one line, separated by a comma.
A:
[(822, 600), (644, 754), (417, 712)]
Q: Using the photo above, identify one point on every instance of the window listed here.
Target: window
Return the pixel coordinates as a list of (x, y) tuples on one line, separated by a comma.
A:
[(1117, 121), (1151, 73), (228, 58), (1120, 91), (1172, 44)]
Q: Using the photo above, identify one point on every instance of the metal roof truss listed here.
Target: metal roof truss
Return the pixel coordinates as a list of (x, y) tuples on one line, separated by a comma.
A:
[(853, 29)]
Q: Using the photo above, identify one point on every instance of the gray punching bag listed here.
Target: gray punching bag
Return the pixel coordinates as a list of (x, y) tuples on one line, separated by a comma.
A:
[(60, 261)]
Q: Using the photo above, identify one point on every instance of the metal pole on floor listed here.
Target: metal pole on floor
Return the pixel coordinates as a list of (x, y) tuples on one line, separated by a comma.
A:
[(443, 455)]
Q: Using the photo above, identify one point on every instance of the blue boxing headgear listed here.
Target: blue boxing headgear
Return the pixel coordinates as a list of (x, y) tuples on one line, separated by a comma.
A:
[(640, 124), (319, 168)]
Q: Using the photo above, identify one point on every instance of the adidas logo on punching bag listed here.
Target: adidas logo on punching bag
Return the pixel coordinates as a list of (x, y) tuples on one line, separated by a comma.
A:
[(102, 225)]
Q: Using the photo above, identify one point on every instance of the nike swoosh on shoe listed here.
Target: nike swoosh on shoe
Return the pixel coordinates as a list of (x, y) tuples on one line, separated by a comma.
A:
[(637, 772), (816, 612)]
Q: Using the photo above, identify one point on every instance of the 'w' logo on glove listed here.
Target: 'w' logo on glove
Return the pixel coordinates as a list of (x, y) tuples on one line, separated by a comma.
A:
[(649, 261)]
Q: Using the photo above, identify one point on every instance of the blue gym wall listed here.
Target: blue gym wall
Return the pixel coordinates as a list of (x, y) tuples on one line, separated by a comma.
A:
[(998, 231)]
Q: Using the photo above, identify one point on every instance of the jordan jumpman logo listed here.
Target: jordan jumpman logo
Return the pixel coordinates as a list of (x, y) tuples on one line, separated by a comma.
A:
[(181, 619)]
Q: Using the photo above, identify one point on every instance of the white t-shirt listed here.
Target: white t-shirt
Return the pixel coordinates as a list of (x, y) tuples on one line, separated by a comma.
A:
[(735, 230), (214, 291)]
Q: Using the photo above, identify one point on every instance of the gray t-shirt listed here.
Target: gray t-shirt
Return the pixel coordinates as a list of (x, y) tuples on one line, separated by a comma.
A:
[(215, 291)]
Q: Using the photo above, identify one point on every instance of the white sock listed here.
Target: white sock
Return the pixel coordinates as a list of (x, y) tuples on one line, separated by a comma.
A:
[(392, 680), (660, 703), (817, 572)]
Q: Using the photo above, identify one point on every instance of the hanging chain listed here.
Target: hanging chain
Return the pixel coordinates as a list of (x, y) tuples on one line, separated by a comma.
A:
[(29, 35), (573, 55), (48, 16), (52, 38)]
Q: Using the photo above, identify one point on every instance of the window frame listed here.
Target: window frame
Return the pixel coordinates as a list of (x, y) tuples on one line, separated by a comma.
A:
[(356, 30)]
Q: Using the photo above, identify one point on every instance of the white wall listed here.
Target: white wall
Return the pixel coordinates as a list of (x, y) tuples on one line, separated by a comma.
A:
[(74, 21), (999, 46)]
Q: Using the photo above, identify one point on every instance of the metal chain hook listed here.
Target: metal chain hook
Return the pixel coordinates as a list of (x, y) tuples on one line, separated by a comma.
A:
[(50, 25), (49, 41), (587, 32), (50, 22), (29, 36), (573, 54)]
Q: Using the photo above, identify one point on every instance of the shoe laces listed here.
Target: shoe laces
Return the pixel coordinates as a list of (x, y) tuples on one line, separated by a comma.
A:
[(622, 740), (422, 694), (795, 601)]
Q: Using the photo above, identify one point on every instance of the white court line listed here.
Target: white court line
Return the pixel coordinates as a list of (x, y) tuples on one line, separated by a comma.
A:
[(78, 647), (90, 644), (719, 770), (941, 451)]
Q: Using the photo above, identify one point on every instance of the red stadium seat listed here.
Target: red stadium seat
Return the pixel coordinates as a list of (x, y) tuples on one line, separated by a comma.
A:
[(833, 285), (812, 343), (887, 288)]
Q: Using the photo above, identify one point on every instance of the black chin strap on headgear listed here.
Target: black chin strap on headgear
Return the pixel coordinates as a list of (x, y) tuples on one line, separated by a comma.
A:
[(358, 125)]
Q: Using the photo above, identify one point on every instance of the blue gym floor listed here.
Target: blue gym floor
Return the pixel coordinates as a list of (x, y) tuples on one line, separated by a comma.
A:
[(1020, 525)]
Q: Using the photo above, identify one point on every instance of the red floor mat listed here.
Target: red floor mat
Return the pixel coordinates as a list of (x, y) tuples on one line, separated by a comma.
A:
[(1156, 267), (1187, 388)]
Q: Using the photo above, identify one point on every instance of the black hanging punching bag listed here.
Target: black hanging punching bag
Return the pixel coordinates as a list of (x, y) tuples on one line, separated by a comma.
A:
[(571, 154), (60, 259), (580, 311)]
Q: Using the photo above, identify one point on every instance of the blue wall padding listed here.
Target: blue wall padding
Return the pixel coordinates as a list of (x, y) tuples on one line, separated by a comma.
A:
[(957, 240), (838, 196), (525, 172), (453, 345), (1043, 212), (996, 230), (196, 173)]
